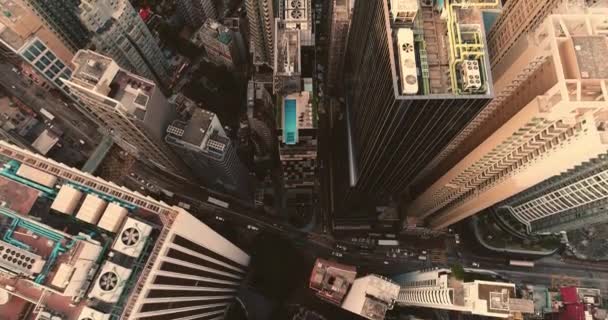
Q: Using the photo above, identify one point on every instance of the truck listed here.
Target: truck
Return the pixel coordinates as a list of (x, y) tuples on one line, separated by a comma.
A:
[(47, 114), (217, 202), (521, 263)]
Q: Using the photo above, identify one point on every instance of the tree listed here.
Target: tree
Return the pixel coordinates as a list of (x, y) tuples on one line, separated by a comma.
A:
[(458, 272)]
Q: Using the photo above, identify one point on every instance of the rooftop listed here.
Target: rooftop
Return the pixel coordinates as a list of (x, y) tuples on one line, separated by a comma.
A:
[(371, 296), (439, 50), (212, 29), (196, 130), (103, 76), (287, 48), (331, 280), (55, 241)]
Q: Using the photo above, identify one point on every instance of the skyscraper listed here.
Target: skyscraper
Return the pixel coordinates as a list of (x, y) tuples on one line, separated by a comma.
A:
[(62, 18), (441, 289), (339, 25), (397, 118), (551, 89), (120, 33), (132, 108), (202, 143), (28, 36), (195, 12), (95, 250), (571, 200), (260, 14)]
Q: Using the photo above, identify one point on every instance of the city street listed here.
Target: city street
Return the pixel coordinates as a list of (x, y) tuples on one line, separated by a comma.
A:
[(71, 120)]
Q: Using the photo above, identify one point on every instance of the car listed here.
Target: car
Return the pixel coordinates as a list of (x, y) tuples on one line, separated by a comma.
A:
[(254, 228), (218, 218), (341, 247), (337, 254), (385, 262), (457, 238), (475, 264)]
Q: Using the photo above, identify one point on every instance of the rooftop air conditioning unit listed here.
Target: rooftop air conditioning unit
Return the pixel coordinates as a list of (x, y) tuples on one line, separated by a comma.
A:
[(132, 238), (407, 61), (404, 11), (110, 283), (471, 75), (92, 314)]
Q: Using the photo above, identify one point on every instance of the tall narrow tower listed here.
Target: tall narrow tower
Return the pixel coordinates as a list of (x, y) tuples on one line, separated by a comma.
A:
[(397, 118), (120, 33), (260, 14), (339, 25), (202, 143), (132, 108)]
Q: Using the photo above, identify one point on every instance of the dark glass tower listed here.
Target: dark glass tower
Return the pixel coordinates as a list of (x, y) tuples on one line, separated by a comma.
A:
[(407, 97)]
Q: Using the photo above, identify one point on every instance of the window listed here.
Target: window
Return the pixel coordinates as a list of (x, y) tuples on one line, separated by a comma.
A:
[(49, 55), (29, 56), (39, 45)]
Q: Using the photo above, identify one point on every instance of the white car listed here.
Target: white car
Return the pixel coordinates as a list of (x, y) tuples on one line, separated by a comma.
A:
[(341, 247), (457, 238), (337, 254), (475, 264), (218, 218), (254, 228)]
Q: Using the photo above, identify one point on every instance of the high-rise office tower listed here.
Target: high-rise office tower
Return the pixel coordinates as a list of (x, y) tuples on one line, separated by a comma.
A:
[(441, 289), (574, 199), (132, 108), (551, 97), (27, 36), (412, 84), (261, 120), (62, 18), (120, 33), (76, 246), (202, 143), (338, 34), (260, 14), (195, 12)]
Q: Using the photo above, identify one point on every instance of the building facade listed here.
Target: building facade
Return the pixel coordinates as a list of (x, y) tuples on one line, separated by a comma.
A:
[(62, 18), (120, 33), (219, 42), (260, 14), (571, 200), (159, 261), (202, 143), (339, 25), (195, 12), (399, 119), (28, 37), (132, 108), (439, 289), (542, 130)]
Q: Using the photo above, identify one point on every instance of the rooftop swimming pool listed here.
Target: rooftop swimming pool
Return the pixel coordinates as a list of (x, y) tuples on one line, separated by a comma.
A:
[(290, 122)]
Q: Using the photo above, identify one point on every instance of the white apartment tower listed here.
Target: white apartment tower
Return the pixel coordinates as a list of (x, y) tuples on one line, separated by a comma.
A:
[(132, 108), (120, 33), (439, 289), (549, 115), (160, 262)]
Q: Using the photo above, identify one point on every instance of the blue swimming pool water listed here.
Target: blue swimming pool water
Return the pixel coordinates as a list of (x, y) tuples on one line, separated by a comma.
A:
[(290, 121)]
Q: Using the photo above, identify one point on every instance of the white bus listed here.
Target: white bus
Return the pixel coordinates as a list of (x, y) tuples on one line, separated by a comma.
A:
[(47, 114), (388, 242), (520, 263), (217, 202)]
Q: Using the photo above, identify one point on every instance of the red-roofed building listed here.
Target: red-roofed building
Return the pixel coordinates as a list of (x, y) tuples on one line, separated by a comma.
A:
[(145, 13)]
